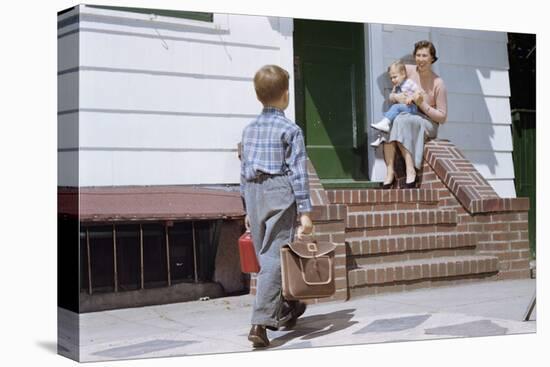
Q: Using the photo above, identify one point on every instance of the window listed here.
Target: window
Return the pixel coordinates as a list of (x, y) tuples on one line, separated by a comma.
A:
[(206, 234), (84, 274), (102, 258), (182, 256), (128, 256), (154, 255), (125, 257), (206, 17)]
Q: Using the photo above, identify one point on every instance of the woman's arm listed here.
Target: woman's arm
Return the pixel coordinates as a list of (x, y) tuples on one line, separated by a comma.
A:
[(439, 112)]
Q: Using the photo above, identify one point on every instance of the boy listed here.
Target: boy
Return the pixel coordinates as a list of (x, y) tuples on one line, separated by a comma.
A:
[(398, 76), (275, 187)]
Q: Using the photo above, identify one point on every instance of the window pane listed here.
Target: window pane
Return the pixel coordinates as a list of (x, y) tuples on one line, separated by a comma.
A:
[(128, 257), (207, 237), (154, 255), (83, 261), (102, 257), (181, 252)]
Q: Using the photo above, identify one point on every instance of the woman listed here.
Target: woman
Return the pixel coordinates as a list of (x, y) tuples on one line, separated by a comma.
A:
[(408, 131)]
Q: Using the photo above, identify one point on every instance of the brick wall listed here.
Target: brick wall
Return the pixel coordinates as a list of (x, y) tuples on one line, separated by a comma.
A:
[(499, 223), (453, 228)]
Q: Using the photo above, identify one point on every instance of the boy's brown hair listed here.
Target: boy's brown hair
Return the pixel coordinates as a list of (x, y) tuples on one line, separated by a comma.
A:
[(270, 83)]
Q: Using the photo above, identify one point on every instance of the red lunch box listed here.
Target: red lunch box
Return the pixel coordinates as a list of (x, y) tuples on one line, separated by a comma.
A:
[(249, 262)]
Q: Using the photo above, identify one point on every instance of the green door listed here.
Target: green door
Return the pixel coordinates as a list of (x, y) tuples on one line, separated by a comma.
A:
[(330, 98)]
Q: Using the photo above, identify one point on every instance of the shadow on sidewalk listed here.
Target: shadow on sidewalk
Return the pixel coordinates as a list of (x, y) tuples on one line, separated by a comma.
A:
[(311, 327)]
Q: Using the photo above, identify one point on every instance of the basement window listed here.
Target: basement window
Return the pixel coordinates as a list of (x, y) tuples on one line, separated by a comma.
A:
[(128, 257), (125, 257)]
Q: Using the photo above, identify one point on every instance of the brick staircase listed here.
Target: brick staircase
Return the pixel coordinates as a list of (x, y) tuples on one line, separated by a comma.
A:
[(453, 229), (400, 239)]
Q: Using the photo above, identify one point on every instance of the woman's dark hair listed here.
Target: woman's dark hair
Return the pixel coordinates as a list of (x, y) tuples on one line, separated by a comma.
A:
[(426, 44)]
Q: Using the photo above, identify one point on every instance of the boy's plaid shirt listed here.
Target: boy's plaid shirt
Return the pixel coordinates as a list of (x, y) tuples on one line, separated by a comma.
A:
[(274, 145)]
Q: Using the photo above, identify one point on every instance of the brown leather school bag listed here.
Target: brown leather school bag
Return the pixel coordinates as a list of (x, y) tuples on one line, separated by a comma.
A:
[(307, 269)]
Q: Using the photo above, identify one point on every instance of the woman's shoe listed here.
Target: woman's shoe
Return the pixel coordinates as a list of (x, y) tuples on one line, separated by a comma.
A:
[(379, 140), (410, 185), (387, 186)]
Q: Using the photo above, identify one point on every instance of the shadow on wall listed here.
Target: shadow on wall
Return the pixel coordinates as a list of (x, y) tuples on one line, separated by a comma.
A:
[(152, 22), (275, 24), (467, 108)]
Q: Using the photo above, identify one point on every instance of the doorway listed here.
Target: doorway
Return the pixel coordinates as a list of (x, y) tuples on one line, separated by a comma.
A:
[(329, 74)]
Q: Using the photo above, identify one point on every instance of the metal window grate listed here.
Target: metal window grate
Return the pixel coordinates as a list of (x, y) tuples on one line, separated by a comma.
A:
[(122, 257)]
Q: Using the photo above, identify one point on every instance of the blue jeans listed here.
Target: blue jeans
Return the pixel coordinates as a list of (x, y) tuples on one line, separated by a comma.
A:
[(271, 209), (398, 108)]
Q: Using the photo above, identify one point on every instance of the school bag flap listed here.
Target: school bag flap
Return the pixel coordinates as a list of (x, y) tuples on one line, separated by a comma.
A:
[(311, 249)]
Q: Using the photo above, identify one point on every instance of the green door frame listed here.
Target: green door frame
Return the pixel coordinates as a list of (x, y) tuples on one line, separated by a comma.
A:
[(328, 117)]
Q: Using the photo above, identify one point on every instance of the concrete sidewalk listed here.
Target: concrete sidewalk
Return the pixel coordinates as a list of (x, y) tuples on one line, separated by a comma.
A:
[(222, 325)]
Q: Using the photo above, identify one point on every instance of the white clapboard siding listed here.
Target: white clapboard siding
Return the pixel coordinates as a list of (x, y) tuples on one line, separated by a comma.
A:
[(179, 56), (67, 92), (139, 131), (164, 100), (67, 52), (401, 42), (67, 98), (405, 28), (471, 34), (165, 93), (479, 109), (498, 165), (67, 168), (67, 22), (68, 131), (474, 66), (114, 168), (261, 30), (473, 52), (505, 188), (228, 28), (475, 80), (475, 136)]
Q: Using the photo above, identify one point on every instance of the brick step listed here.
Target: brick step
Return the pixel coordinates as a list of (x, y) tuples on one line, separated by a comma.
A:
[(423, 269), (378, 196), (382, 207), (399, 218), (383, 245), (359, 261)]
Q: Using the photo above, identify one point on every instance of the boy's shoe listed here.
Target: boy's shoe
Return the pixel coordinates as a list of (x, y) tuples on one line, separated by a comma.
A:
[(296, 310), (258, 336), (382, 125), (290, 312), (378, 141)]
